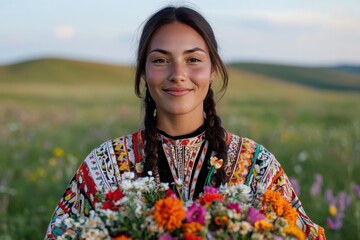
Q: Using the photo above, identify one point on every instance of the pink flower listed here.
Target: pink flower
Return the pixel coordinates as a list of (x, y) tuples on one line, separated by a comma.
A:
[(234, 206), (209, 189), (196, 213), (167, 237), (254, 215)]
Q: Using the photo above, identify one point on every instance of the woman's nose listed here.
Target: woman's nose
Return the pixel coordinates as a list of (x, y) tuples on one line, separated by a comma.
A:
[(178, 72)]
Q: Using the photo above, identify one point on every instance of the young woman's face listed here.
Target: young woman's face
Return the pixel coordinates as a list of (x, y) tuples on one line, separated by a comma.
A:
[(178, 70)]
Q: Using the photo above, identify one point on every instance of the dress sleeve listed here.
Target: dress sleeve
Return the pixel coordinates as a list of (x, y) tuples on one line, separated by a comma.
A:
[(98, 172), (276, 179)]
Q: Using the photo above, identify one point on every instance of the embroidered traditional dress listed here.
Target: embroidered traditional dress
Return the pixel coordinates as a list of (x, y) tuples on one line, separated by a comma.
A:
[(183, 159)]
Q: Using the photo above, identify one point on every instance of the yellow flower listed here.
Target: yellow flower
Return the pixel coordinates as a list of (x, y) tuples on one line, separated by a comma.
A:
[(169, 213), (52, 162), (332, 210), (263, 225), (58, 152), (295, 231)]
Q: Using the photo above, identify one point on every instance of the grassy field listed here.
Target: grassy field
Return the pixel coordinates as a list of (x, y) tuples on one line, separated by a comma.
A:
[(54, 112)]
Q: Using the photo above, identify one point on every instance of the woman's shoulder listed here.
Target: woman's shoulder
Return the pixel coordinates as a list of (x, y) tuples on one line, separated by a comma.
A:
[(123, 148), (246, 157), (105, 163)]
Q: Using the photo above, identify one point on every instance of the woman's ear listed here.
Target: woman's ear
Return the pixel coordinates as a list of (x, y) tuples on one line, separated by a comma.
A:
[(212, 75)]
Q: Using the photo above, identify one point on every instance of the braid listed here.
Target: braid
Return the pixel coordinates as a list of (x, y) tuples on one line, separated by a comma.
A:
[(215, 133), (150, 147)]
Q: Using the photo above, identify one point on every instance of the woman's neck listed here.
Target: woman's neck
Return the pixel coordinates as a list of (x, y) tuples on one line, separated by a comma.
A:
[(179, 124)]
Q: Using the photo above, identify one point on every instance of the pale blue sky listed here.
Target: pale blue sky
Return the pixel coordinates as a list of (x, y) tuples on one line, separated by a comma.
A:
[(282, 31)]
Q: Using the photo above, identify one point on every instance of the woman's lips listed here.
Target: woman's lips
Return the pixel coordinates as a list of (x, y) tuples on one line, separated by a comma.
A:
[(177, 91)]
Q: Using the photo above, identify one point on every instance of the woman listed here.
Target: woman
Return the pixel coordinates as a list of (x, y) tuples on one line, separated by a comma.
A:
[(182, 138)]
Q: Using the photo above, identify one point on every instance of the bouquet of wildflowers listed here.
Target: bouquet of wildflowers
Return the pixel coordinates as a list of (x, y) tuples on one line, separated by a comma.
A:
[(142, 209)]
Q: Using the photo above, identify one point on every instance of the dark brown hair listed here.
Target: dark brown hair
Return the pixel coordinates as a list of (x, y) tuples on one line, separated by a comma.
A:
[(214, 131)]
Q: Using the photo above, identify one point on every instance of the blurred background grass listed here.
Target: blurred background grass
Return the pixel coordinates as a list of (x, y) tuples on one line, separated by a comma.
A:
[(53, 112)]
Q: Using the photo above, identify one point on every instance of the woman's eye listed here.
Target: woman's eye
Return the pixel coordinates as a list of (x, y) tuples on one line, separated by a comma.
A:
[(160, 61), (194, 60)]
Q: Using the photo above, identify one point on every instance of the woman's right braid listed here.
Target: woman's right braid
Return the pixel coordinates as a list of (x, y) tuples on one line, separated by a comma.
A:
[(150, 147), (215, 133)]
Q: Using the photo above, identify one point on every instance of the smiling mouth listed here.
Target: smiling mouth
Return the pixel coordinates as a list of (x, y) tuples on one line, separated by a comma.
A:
[(177, 92)]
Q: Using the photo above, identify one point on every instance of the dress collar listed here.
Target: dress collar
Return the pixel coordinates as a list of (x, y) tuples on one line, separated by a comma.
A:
[(187, 139)]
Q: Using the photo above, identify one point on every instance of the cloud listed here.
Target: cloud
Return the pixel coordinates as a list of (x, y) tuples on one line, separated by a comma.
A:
[(64, 32)]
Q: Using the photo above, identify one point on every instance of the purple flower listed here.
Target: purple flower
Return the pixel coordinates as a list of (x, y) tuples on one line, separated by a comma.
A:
[(336, 222), (234, 206), (317, 185), (209, 189), (167, 237), (254, 215), (341, 202), (295, 184), (330, 197), (356, 189), (344, 201), (196, 213)]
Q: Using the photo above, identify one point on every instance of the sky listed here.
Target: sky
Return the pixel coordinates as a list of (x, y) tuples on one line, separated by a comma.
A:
[(300, 32)]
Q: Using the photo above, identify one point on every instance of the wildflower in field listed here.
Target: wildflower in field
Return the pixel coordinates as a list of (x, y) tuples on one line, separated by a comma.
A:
[(52, 162), (337, 206), (58, 152), (335, 223), (296, 185), (332, 210), (356, 189), (317, 185)]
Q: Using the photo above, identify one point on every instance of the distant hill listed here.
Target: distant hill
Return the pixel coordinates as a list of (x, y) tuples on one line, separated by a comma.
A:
[(342, 78), (348, 69), (54, 70)]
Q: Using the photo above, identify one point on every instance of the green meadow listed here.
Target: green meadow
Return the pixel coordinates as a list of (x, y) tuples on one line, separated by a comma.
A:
[(53, 112)]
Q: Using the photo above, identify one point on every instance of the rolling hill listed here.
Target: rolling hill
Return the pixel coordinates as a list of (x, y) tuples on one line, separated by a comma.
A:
[(342, 78)]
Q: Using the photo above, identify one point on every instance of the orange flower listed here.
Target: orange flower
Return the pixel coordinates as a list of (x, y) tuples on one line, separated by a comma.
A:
[(208, 198), (191, 228), (169, 213), (263, 225), (221, 220), (280, 206), (121, 237), (295, 231)]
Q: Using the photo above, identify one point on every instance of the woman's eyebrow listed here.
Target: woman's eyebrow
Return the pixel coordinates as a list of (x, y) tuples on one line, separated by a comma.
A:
[(163, 51)]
